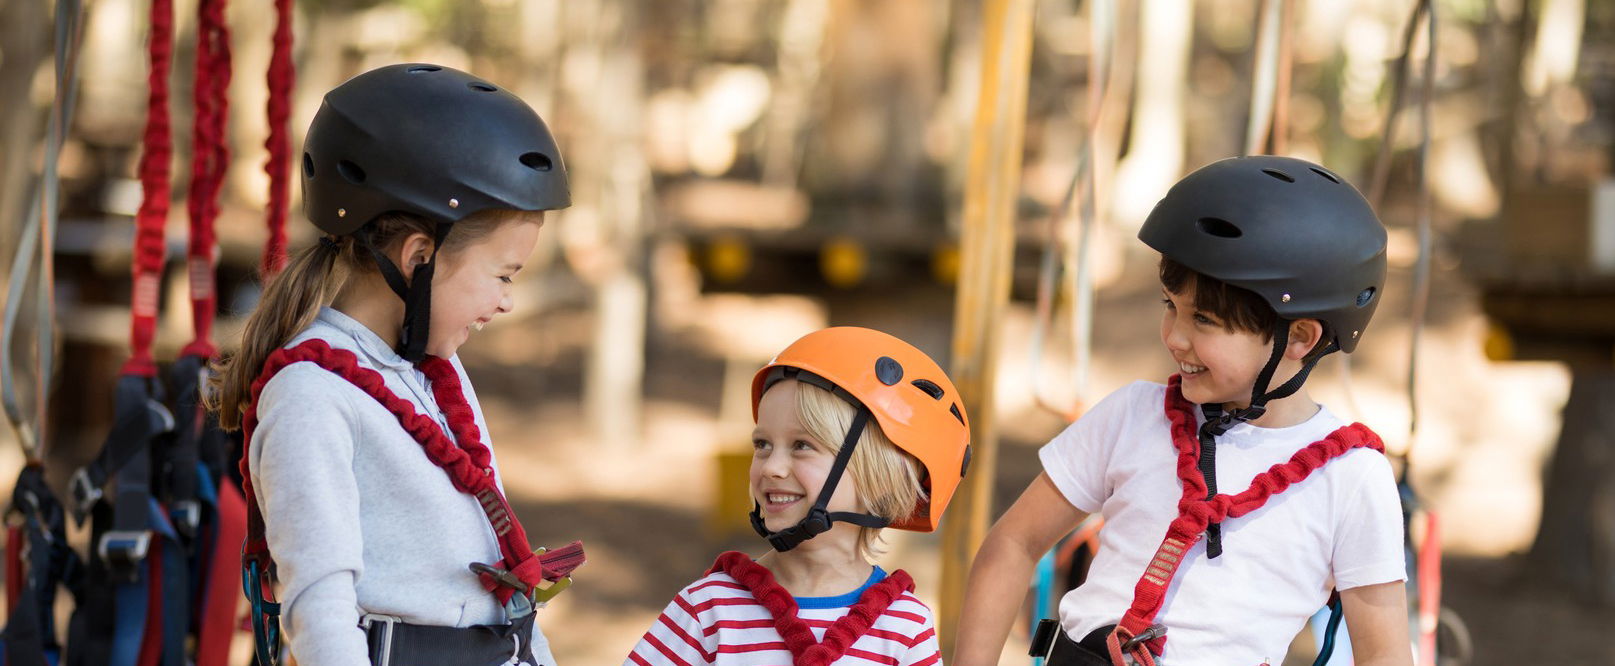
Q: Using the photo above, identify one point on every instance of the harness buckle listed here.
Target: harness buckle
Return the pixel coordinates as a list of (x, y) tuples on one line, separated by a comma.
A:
[(390, 621), (123, 551), (84, 491), (187, 517)]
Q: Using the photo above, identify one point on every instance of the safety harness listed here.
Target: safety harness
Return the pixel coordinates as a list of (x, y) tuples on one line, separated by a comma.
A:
[(517, 580), (805, 649), (1136, 635)]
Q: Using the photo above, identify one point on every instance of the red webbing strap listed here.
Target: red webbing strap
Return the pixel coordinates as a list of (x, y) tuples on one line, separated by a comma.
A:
[(156, 150), (1195, 512), (281, 75), (467, 465), (210, 158), (222, 597), (797, 634)]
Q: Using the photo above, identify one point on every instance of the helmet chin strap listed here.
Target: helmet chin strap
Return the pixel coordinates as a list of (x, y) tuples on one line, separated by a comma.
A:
[(818, 519), (1218, 422), (416, 293)]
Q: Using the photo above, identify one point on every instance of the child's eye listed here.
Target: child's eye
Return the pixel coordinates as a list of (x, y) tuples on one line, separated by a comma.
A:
[(506, 279), (1202, 319), (802, 445), (1169, 304), (760, 445)]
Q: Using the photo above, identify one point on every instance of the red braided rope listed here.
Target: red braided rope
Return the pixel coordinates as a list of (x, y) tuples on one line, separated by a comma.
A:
[(798, 636), (466, 464), (210, 158), (155, 152), (1195, 512), (281, 75)]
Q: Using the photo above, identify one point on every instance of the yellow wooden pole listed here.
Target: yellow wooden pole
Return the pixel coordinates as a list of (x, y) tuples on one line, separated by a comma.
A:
[(987, 246)]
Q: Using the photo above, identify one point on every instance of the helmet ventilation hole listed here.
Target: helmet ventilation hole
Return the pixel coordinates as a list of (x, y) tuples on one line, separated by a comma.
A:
[(351, 172), (1218, 227), (478, 85), (308, 166), (954, 409), (1279, 175), (537, 161), (1332, 178), (421, 69), (1364, 296), (929, 387), (888, 370)]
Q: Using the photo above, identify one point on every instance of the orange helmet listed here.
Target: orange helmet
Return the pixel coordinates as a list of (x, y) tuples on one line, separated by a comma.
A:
[(905, 391)]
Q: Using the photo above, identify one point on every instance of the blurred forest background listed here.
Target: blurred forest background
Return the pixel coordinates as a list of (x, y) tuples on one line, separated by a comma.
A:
[(744, 171)]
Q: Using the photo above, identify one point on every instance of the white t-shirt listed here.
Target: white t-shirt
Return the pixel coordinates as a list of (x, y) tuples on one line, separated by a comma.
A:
[(1340, 528)]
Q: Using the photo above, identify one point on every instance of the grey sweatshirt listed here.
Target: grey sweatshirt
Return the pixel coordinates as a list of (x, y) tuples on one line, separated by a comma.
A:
[(358, 519)]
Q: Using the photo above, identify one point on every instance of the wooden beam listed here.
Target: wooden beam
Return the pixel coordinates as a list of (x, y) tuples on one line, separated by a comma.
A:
[(987, 245)]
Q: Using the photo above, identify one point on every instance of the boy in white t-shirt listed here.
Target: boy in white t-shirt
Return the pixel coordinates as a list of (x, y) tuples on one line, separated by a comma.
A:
[(1232, 509)]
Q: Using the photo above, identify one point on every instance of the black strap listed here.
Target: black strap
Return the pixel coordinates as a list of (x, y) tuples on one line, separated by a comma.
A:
[(181, 457), (1217, 422), (416, 293), (397, 643), (137, 419), (30, 631), (818, 521)]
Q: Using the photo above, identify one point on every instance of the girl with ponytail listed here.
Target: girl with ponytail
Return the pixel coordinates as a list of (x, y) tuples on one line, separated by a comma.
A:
[(361, 429)]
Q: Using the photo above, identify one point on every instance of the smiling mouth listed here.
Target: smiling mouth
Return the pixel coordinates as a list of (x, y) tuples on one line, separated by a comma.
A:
[(779, 501), (1189, 370)]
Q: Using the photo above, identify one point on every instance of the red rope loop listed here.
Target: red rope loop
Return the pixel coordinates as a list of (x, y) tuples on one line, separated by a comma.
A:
[(465, 463), (156, 150), (210, 158), (281, 75), (1195, 512), (797, 634)]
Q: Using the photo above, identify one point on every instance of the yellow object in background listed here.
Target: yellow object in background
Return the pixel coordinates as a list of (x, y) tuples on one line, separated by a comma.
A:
[(1499, 345), (727, 259), (843, 262), (945, 264), (732, 508)]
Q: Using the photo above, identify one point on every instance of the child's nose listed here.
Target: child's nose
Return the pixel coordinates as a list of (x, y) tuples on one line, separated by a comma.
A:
[(777, 464), (1176, 339)]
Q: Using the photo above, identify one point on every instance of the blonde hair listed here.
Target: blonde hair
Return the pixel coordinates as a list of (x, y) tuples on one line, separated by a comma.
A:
[(313, 277), (887, 478)]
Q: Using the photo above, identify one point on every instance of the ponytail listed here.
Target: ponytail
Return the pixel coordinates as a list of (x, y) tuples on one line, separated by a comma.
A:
[(290, 302)]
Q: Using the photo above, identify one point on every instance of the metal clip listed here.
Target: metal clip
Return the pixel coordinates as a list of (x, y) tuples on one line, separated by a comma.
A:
[(499, 575), (543, 595), (123, 552), (187, 516), (1153, 632), (84, 491)]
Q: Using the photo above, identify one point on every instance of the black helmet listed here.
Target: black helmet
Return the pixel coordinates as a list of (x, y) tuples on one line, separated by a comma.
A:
[(429, 141), (1289, 230)]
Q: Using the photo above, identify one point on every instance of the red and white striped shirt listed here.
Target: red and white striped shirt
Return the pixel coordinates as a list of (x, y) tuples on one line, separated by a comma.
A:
[(719, 620)]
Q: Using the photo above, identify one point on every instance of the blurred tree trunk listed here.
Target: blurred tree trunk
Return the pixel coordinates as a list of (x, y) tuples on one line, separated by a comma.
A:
[(610, 187), (24, 44), (1575, 545)]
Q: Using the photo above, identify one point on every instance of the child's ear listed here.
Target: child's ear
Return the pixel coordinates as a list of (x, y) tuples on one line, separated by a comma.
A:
[(1304, 336), (416, 250)]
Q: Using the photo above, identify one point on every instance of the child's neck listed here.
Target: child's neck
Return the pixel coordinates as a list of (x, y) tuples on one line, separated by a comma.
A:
[(367, 300), (1293, 409), (824, 566)]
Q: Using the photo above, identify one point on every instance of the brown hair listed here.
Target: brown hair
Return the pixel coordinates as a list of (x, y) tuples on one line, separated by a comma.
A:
[(1239, 309), (310, 281)]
